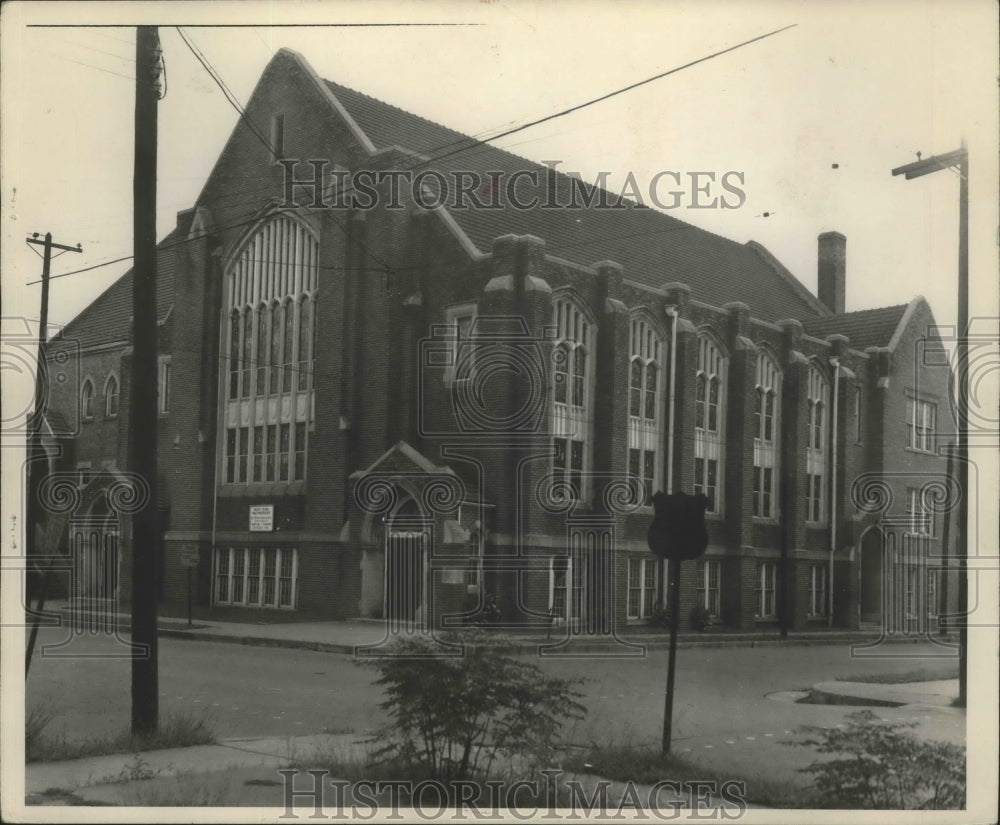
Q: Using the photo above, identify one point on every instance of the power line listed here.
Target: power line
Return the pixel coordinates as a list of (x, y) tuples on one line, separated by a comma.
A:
[(234, 102), (88, 65), (85, 269), (474, 141), (230, 97), (624, 89), (482, 144), (99, 51)]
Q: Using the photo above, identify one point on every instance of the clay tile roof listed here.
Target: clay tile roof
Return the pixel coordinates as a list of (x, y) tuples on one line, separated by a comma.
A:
[(865, 328), (655, 248), (106, 320)]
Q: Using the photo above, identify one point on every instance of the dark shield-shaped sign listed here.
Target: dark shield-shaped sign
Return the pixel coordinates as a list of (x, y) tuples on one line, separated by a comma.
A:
[(678, 529)]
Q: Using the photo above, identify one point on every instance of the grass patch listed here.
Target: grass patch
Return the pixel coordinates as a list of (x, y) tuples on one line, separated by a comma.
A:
[(183, 790), (646, 766), (923, 674), (364, 762), (179, 730)]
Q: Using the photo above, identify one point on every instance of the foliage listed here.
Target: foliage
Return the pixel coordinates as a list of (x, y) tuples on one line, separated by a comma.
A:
[(488, 615), (701, 619), (931, 673), (885, 766), (35, 723), (646, 765), (135, 771), (455, 712), (177, 730), (182, 790), (660, 617)]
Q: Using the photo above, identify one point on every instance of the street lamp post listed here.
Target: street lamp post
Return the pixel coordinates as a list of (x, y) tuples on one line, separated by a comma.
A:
[(958, 159)]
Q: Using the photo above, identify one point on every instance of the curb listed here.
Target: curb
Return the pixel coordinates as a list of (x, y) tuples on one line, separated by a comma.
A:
[(829, 697), (570, 646), (525, 646), (254, 641)]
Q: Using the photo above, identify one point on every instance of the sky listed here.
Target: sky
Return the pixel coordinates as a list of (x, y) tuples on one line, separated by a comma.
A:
[(812, 118)]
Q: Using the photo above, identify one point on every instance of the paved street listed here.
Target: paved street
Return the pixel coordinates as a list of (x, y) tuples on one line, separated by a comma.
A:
[(722, 707)]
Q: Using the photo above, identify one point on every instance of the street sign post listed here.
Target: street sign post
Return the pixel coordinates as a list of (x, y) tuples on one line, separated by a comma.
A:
[(677, 533), (189, 558)]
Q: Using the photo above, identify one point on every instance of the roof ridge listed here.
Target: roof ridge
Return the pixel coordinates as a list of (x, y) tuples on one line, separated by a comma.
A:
[(787, 276), (482, 143), (839, 315), (60, 336)]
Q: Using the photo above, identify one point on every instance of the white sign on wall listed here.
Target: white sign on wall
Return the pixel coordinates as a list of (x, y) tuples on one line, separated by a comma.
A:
[(261, 518)]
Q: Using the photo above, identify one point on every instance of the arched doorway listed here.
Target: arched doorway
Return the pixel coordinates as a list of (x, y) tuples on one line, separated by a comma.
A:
[(871, 585), (95, 551), (406, 567)]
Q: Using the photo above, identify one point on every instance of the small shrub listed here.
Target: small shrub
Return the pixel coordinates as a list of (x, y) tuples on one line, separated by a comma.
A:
[(701, 619), (453, 716), (660, 617), (182, 790), (35, 723), (137, 770), (884, 766), (646, 765), (177, 730)]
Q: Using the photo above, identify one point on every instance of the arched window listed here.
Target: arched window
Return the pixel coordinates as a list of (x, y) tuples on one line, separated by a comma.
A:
[(271, 310), (261, 351), (644, 429), (818, 395), (765, 441), (277, 320), (288, 359), (111, 397), (304, 366), (87, 399), (709, 421), (247, 360), (234, 354), (573, 406)]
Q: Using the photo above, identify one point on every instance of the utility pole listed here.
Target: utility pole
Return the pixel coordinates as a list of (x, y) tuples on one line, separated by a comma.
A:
[(142, 424), (960, 159), (35, 450)]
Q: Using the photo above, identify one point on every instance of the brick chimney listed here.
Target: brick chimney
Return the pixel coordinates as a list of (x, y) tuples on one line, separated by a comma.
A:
[(832, 270)]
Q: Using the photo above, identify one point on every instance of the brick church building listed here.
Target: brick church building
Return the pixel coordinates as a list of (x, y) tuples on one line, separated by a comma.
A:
[(389, 411)]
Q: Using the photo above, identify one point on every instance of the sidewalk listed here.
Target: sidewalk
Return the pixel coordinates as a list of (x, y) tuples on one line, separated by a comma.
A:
[(244, 771), (346, 636), (941, 693), (119, 779)]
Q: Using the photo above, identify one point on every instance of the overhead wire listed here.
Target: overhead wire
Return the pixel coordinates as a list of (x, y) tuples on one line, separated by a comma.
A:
[(474, 143)]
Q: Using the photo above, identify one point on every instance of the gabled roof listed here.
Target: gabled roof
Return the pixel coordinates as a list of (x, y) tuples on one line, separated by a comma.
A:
[(864, 328), (106, 320), (655, 248), (405, 462)]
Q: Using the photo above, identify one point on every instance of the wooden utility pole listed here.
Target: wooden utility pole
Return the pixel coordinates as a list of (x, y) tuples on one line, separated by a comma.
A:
[(958, 159), (142, 424), (35, 467)]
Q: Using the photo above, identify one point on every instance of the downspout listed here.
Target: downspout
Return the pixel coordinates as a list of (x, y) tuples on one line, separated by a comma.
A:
[(671, 391), (221, 386), (672, 312), (833, 490)]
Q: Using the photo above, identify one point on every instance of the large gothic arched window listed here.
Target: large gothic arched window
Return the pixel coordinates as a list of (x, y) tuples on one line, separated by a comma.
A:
[(765, 438), (644, 403), (271, 313), (816, 452), (573, 404), (710, 421)]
